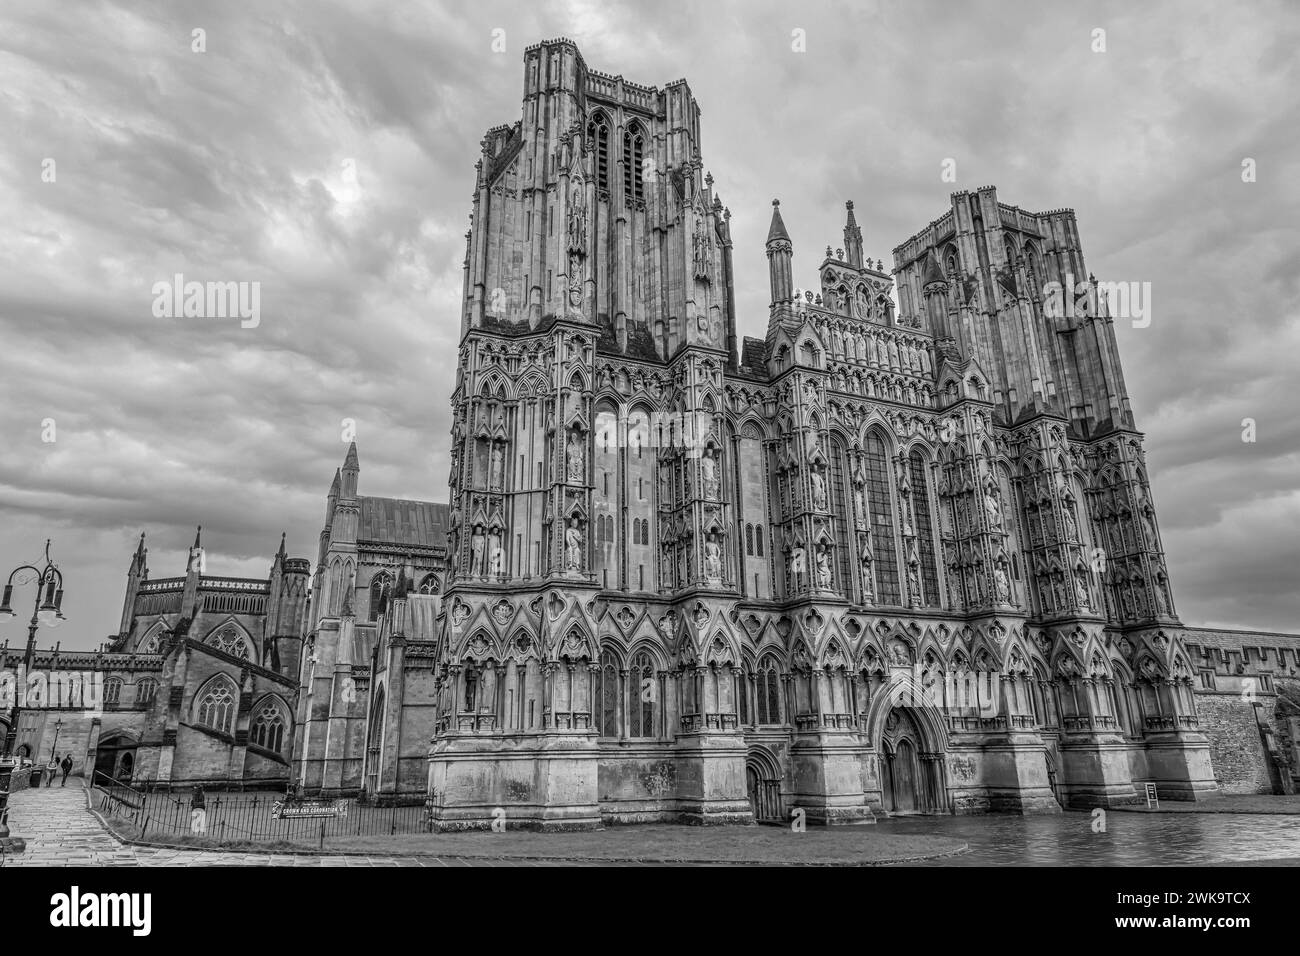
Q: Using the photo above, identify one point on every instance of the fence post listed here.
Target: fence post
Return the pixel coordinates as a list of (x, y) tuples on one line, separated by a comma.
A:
[(322, 834), (393, 826)]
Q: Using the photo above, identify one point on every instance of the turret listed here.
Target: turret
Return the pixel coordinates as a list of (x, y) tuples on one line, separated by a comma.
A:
[(852, 238), (137, 573), (193, 572), (780, 252), (351, 472)]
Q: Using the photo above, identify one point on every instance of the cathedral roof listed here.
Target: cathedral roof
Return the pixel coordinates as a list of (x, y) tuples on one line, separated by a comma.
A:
[(403, 521), (777, 229)]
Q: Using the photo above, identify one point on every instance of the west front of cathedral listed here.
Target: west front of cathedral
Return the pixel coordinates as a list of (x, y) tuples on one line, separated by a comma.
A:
[(899, 555)]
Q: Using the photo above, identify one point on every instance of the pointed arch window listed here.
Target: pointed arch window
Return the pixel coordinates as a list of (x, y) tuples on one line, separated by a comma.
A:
[(215, 705), (634, 164), (429, 585), (146, 691), (598, 133), (266, 729), (839, 511), (758, 535), (381, 588), (881, 508), (643, 697), (608, 694), (112, 692), (924, 528), (767, 694), (230, 640)]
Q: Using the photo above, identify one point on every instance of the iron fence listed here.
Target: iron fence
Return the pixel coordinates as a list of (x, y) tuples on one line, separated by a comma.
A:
[(257, 817)]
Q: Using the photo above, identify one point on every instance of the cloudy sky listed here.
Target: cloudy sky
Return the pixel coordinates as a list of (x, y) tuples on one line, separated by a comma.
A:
[(325, 150)]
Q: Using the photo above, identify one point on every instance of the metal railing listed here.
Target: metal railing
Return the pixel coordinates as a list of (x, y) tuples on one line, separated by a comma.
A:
[(256, 817)]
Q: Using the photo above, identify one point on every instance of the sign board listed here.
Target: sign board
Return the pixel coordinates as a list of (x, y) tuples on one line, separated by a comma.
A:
[(1153, 800), (309, 809)]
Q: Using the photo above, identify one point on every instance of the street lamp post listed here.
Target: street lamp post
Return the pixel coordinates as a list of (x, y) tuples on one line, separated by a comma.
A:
[(46, 608)]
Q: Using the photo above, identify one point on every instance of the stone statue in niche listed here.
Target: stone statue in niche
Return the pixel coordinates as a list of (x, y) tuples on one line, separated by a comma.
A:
[(577, 220), (709, 474), (1001, 584), (1081, 590), (574, 455), (818, 489), (1150, 524), (824, 568), (476, 551), (992, 504), (573, 546), (713, 559), (496, 554), (914, 581), (797, 559), (1067, 518), (497, 461)]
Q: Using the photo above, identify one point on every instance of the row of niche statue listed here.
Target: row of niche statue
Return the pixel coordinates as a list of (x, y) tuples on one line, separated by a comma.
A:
[(495, 554)]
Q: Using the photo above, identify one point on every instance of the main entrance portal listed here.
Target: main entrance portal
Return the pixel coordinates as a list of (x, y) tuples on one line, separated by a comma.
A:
[(910, 778)]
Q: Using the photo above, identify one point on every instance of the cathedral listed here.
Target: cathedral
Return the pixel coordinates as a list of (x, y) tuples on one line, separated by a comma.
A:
[(900, 555)]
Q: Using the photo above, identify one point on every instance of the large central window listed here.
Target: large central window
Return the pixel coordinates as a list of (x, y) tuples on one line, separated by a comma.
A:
[(924, 529), (880, 505)]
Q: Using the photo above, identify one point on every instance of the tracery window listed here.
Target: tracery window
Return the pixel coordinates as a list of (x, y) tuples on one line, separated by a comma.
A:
[(643, 695), (768, 692), (230, 640), (758, 535), (924, 528), (267, 727), (146, 690), (215, 707), (429, 585), (608, 695), (598, 133), (749, 539), (380, 590), (880, 506), (112, 692), (633, 164)]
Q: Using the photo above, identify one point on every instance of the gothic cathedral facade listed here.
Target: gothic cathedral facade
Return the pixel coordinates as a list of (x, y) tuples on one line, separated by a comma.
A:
[(898, 555)]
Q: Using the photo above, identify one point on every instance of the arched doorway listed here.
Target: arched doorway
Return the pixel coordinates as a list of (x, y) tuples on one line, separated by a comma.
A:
[(763, 787), (374, 743), (115, 758), (911, 775)]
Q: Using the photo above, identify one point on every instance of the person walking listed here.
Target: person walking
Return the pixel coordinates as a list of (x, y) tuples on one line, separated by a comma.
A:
[(66, 767), (198, 812), (51, 771)]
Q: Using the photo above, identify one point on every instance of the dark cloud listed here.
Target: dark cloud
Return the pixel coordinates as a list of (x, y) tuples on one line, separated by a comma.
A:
[(326, 150)]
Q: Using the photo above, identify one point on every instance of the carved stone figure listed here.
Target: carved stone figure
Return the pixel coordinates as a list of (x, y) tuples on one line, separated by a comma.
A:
[(575, 458), (1067, 518), (573, 546), (824, 568), (496, 554), (1002, 585), (476, 551), (797, 559), (494, 472), (709, 474), (1081, 590), (713, 560), (577, 221), (993, 504), (818, 490)]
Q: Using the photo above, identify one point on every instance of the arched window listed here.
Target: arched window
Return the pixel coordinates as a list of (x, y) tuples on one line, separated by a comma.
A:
[(924, 528), (839, 516), (230, 640), (112, 692), (381, 588), (749, 539), (146, 690), (758, 534), (608, 695), (880, 505), (429, 585), (633, 164), (746, 683), (266, 729), (214, 706), (768, 692), (643, 695), (598, 133)]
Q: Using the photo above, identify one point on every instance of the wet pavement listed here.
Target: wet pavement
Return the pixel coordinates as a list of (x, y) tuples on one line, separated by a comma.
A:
[(1129, 839)]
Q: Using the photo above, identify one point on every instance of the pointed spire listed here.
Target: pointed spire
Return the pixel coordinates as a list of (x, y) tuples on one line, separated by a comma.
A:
[(777, 229), (140, 550), (352, 463), (197, 536), (931, 272), (338, 480), (853, 238), (281, 553), (851, 223)]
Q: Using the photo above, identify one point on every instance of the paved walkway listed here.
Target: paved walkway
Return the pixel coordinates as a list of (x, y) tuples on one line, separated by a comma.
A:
[(60, 830)]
